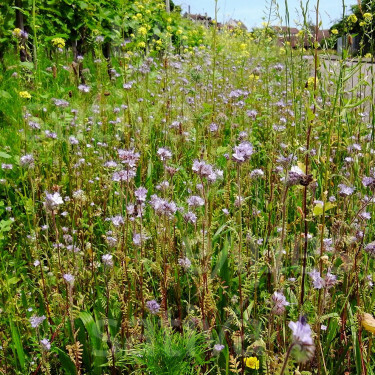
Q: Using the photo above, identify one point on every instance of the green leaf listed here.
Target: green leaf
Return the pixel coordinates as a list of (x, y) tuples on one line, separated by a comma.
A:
[(17, 344), (95, 336), (66, 362), (5, 94), (318, 209), (4, 155)]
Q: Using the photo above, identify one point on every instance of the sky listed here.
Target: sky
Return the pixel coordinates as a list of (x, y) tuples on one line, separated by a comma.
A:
[(251, 12)]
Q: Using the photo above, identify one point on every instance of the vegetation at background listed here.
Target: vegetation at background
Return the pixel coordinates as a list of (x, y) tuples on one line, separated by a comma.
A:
[(361, 23), (203, 204), (116, 22)]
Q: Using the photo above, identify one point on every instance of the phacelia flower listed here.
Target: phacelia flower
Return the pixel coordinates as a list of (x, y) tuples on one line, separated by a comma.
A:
[(107, 260), (279, 303), (185, 263), (46, 345), (53, 201), (243, 152), (153, 306), (36, 321), (302, 340)]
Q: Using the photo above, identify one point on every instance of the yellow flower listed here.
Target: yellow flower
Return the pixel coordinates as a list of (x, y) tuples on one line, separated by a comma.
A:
[(352, 18), (58, 42), (141, 44), (368, 322), (253, 76), (142, 30), (16, 32), (334, 31), (24, 95), (368, 56), (311, 81), (252, 362), (367, 16)]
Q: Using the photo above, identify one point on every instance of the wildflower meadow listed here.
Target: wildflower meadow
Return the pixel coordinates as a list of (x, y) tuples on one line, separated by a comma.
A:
[(183, 197)]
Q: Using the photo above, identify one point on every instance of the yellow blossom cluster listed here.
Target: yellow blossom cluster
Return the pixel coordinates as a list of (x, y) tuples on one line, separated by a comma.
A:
[(58, 42), (24, 95)]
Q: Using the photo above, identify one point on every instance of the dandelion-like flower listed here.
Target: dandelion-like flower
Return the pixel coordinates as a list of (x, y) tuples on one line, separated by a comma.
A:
[(252, 362)]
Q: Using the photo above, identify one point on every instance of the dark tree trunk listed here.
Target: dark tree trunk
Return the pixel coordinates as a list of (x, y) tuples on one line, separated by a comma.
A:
[(20, 25), (107, 54)]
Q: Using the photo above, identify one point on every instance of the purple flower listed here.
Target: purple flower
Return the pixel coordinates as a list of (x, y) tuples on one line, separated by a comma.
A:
[(218, 348), (27, 161), (317, 280), (6, 166), (330, 280), (69, 278), (195, 201), (129, 157), (117, 220), (164, 154), (123, 175), (243, 152), (279, 303), (141, 194), (256, 173), (53, 201), (370, 249), (252, 114), (107, 260), (185, 263), (46, 345), (190, 217), (84, 88), (297, 177), (153, 306), (302, 340), (162, 206), (369, 182), (36, 321), (345, 191)]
